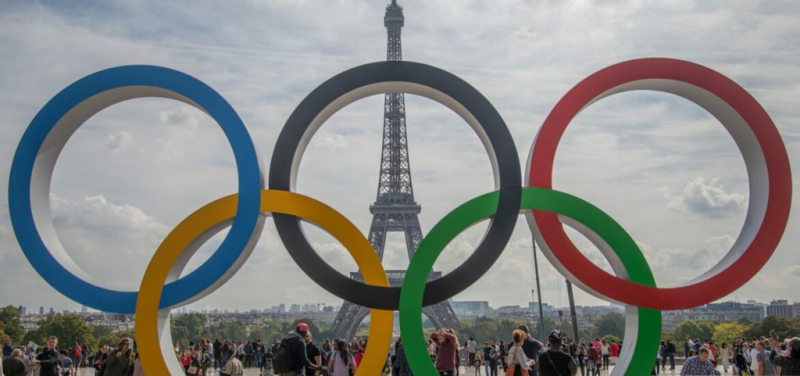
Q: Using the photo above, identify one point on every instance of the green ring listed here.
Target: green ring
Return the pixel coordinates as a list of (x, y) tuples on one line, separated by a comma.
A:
[(482, 207)]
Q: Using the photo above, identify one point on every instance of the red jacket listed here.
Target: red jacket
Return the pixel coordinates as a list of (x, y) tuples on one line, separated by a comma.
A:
[(446, 357), (593, 354)]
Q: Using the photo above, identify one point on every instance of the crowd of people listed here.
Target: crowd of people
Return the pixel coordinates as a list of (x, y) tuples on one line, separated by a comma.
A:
[(50, 361), (297, 354), (755, 357)]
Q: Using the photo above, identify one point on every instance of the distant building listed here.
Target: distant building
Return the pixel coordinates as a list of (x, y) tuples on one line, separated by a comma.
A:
[(471, 308), (782, 309), (41, 311), (22, 311), (713, 312)]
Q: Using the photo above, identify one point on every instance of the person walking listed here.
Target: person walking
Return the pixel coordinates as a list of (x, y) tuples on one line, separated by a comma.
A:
[(724, 357)]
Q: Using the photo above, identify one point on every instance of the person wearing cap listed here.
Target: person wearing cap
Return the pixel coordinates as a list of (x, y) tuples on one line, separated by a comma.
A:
[(296, 343), (789, 364), (555, 362)]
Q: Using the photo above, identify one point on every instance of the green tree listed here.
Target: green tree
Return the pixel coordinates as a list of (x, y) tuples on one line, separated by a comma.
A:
[(783, 327), (194, 323), (727, 332), (688, 328), (9, 315), (610, 324), (69, 329), (4, 338), (706, 330)]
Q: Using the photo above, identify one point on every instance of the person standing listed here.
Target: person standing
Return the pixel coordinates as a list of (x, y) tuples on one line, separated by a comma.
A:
[(13, 365), (100, 358), (724, 357), (8, 350), (401, 366), (765, 366), (472, 349), (446, 357), (120, 360), (671, 350), (233, 367), (48, 359), (342, 362), (530, 346), (294, 343), (789, 364), (699, 365), (314, 355), (518, 362), (217, 353), (592, 360), (605, 352), (688, 345), (662, 355), (554, 362), (67, 365)]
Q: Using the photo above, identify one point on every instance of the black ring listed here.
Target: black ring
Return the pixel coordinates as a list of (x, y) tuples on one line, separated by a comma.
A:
[(500, 227)]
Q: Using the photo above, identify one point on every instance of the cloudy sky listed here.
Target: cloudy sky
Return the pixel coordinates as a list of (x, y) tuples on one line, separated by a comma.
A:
[(660, 165)]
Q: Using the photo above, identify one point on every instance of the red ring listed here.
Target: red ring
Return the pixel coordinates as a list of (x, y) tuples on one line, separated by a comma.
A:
[(778, 172)]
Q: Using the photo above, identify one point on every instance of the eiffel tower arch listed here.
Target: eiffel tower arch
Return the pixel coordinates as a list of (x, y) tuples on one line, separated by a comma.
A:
[(395, 209)]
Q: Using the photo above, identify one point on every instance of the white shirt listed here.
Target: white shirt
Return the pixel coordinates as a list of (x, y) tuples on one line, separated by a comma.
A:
[(754, 362), (472, 346)]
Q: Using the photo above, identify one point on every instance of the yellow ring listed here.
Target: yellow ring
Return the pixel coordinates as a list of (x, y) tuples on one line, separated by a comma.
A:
[(154, 356)]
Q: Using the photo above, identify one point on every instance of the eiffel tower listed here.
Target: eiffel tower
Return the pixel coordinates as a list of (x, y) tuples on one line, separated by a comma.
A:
[(395, 208)]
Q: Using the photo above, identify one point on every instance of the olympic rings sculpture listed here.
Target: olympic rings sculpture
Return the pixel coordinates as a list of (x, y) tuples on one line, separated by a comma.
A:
[(547, 210)]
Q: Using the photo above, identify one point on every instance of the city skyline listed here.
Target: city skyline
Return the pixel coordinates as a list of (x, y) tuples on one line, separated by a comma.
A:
[(660, 166)]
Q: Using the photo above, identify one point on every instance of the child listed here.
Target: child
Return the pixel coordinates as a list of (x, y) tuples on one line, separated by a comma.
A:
[(266, 364), (66, 364)]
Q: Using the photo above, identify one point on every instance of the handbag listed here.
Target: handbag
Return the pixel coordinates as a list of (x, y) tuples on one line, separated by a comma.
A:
[(192, 370)]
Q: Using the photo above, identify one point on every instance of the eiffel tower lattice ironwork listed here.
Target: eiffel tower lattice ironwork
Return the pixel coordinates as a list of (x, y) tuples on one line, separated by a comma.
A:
[(395, 208)]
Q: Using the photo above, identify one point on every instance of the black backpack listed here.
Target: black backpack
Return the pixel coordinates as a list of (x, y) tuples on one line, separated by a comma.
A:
[(282, 358)]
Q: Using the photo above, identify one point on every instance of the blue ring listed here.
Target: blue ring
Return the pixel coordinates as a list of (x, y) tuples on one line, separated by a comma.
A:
[(205, 98)]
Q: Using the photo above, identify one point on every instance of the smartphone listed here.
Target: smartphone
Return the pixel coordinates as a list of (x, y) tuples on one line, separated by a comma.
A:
[(773, 334)]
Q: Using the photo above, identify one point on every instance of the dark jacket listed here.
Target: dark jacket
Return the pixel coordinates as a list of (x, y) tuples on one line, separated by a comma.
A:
[(48, 361), (401, 363), (117, 366), (297, 351), (13, 367)]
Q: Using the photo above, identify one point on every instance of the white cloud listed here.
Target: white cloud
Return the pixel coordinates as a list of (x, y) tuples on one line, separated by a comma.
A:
[(707, 198)]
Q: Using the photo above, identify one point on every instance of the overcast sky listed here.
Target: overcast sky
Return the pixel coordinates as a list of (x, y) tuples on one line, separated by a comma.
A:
[(661, 166)]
